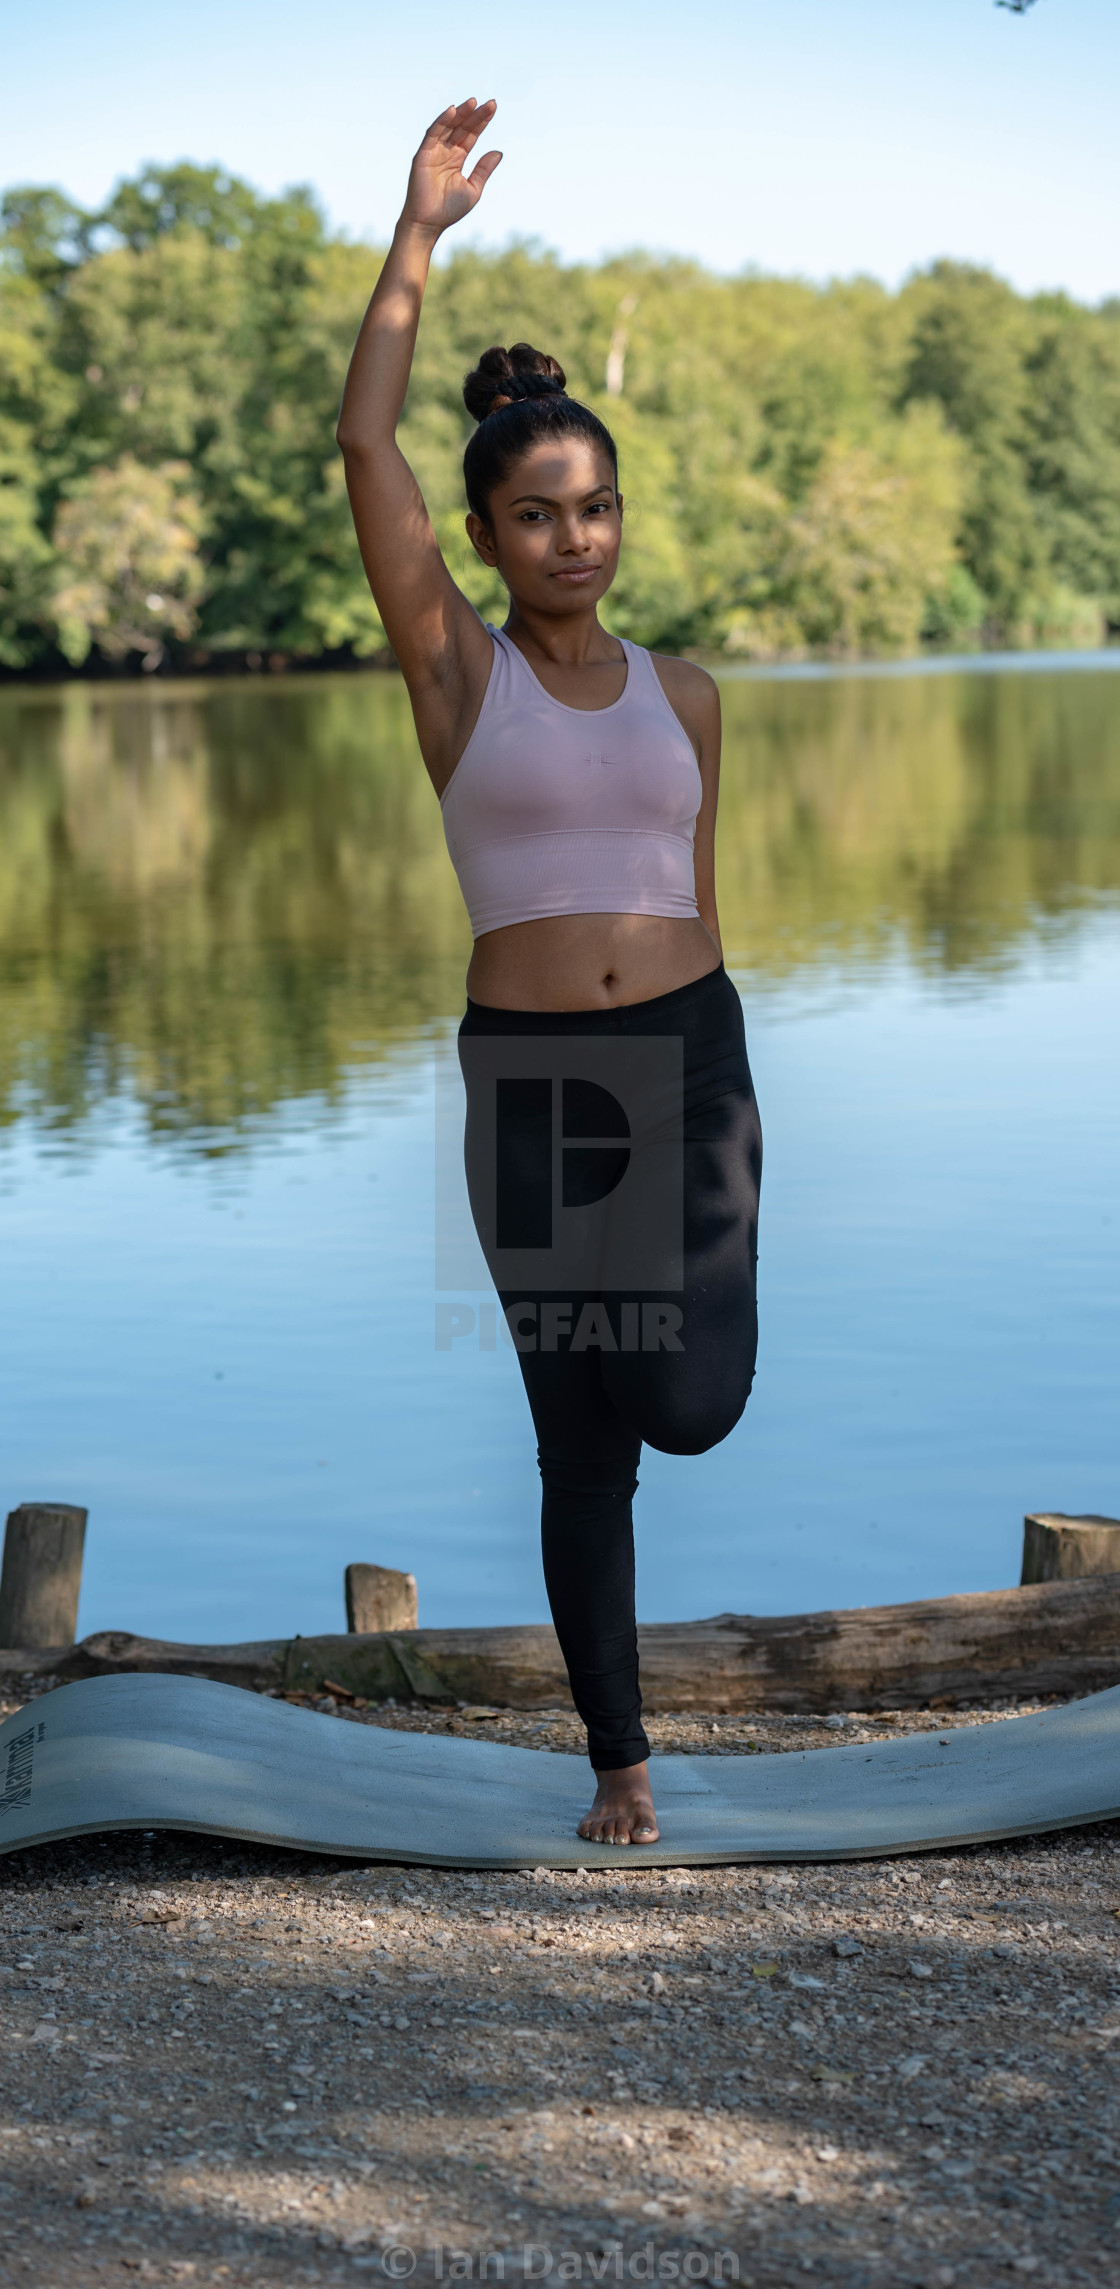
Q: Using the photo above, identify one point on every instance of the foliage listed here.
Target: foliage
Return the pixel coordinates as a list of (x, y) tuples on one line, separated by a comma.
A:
[(129, 541), (836, 470)]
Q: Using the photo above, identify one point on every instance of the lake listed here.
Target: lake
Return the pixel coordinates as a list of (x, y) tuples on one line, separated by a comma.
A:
[(232, 954)]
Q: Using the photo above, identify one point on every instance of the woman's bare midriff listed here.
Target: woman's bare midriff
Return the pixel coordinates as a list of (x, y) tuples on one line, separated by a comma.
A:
[(589, 961)]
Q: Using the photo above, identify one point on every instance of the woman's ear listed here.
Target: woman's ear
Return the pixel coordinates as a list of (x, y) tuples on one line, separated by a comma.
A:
[(618, 498), (482, 540)]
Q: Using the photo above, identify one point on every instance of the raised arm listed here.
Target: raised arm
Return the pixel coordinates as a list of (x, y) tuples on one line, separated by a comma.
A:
[(441, 646)]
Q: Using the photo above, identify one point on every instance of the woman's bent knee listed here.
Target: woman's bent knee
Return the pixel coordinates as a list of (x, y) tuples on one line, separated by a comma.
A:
[(691, 1422)]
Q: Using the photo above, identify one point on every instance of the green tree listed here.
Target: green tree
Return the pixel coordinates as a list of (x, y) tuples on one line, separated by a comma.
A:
[(775, 500), (35, 400), (129, 542), (968, 351), (1072, 444), (45, 235)]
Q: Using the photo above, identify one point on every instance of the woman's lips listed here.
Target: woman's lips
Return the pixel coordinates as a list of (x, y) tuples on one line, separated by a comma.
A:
[(576, 573)]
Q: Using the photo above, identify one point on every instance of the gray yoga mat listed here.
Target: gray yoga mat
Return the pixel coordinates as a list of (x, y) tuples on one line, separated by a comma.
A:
[(179, 1752)]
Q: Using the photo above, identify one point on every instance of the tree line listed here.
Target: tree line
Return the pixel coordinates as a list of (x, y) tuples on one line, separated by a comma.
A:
[(808, 470)]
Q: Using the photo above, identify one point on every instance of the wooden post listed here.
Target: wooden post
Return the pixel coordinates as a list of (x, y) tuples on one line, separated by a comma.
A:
[(1061, 1549), (378, 1597), (42, 1574)]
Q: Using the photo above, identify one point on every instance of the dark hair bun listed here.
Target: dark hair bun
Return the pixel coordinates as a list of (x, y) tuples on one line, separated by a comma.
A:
[(503, 377)]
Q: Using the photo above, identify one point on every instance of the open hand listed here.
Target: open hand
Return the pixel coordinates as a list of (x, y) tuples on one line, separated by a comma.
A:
[(439, 193)]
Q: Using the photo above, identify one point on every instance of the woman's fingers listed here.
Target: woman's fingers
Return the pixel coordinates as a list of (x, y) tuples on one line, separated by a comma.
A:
[(460, 119), (483, 169), (438, 129), (463, 136)]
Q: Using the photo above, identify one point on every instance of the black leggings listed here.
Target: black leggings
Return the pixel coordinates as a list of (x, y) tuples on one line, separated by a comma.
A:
[(674, 1368)]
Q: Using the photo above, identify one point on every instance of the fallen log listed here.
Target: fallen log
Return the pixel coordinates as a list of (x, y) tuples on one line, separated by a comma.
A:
[(117, 1652), (1050, 1637)]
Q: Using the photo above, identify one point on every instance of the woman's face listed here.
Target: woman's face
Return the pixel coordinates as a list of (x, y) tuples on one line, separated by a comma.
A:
[(555, 526)]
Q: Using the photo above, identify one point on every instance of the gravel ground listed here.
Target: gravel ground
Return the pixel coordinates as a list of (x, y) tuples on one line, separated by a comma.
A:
[(234, 2065)]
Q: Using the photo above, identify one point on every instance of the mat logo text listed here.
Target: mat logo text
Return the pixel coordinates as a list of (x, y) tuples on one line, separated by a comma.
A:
[(17, 1777)]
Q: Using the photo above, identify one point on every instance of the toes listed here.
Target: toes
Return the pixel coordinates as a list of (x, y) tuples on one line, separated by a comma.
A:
[(603, 1827), (602, 1831)]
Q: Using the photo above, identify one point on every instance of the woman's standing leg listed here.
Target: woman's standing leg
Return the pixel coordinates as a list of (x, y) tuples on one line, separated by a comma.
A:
[(588, 1457)]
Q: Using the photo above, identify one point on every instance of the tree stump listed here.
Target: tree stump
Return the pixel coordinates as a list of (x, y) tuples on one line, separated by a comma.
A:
[(42, 1574), (378, 1597), (1061, 1549)]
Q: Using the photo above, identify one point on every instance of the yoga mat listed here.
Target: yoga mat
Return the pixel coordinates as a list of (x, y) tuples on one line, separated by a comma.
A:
[(181, 1752)]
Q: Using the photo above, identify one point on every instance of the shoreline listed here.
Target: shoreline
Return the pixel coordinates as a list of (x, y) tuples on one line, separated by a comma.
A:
[(224, 668)]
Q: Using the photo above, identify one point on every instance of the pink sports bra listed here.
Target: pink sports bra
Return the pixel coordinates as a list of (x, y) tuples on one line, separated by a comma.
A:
[(564, 810)]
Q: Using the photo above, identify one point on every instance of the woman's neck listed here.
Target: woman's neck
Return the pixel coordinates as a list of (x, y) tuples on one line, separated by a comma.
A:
[(573, 640)]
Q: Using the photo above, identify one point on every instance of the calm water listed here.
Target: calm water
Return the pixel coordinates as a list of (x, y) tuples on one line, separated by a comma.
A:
[(231, 962)]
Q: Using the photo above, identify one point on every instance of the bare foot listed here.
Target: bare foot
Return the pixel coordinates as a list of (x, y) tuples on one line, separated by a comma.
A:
[(623, 1809)]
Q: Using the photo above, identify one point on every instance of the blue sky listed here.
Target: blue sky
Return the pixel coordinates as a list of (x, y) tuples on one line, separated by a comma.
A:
[(824, 138)]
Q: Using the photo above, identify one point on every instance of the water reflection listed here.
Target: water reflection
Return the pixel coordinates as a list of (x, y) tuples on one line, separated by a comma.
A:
[(951, 812), (226, 897)]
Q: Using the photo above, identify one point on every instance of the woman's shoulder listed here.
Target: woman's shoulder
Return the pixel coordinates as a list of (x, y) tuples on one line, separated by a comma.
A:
[(684, 679), (693, 696)]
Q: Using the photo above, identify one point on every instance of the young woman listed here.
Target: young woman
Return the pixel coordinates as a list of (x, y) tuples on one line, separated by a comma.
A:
[(578, 778)]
